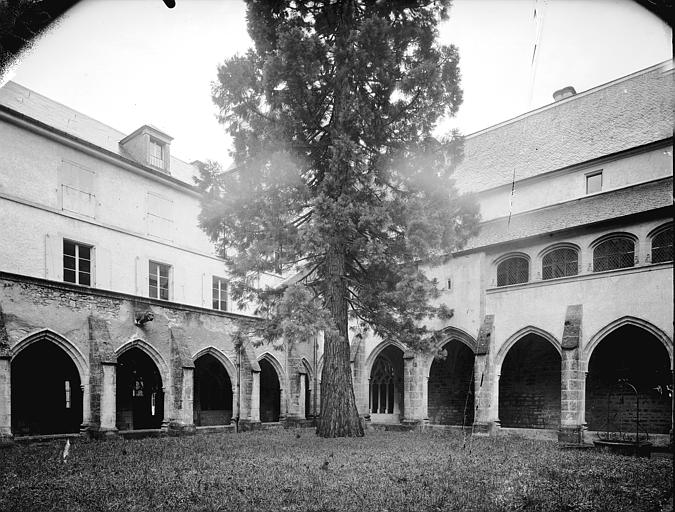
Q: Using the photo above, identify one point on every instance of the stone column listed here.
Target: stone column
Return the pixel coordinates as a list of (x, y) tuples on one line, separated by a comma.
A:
[(413, 389), (255, 397), (5, 398), (186, 413), (572, 399), (486, 382), (301, 397), (109, 399)]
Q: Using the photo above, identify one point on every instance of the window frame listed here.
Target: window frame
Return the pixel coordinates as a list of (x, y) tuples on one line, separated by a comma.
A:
[(219, 300), (550, 250), (610, 238), (152, 157), (77, 259), (593, 174), (509, 257), (169, 279), (661, 230)]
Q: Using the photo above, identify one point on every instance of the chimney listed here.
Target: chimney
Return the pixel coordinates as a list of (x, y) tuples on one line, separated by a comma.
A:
[(563, 93)]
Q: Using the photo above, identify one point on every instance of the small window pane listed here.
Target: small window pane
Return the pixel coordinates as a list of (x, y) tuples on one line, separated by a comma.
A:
[(85, 278), (69, 275), (68, 262), (613, 254), (69, 248), (662, 246), (158, 280), (594, 183)]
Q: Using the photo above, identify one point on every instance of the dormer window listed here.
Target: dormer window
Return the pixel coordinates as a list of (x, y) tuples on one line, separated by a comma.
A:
[(156, 153), (149, 147)]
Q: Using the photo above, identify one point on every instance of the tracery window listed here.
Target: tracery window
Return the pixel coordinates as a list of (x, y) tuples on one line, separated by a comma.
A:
[(513, 270), (617, 252), (560, 263), (382, 387), (662, 246)]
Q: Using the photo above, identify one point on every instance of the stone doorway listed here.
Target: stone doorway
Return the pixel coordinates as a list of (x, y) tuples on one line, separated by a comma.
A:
[(212, 392), (529, 385), (140, 396), (46, 391), (386, 386), (270, 393), (450, 394), (629, 352)]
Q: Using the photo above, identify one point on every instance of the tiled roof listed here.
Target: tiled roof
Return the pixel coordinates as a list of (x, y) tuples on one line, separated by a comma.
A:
[(625, 113), (587, 210), (60, 117)]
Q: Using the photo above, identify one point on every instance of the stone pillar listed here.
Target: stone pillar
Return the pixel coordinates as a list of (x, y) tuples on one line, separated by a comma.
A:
[(486, 383), (109, 399), (5, 398), (413, 389), (572, 399), (301, 396), (186, 414), (255, 397)]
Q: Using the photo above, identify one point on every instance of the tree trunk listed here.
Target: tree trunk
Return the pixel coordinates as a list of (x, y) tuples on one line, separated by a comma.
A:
[(339, 416)]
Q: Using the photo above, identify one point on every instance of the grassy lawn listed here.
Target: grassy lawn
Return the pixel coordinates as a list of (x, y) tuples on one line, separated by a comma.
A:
[(295, 470)]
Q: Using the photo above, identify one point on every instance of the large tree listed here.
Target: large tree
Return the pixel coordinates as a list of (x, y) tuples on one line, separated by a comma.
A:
[(337, 174)]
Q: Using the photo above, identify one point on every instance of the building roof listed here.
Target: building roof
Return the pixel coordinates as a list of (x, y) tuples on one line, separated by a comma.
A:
[(625, 113), (65, 119), (587, 210)]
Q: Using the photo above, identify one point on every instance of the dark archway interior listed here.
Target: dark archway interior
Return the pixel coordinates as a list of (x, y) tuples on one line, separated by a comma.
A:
[(630, 353), (270, 392), (212, 393), (308, 396), (529, 385), (46, 391), (386, 382), (140, 397), (451, 386)]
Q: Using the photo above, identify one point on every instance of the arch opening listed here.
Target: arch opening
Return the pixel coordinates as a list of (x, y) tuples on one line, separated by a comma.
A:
[(140, 395), (450, 394), (270, 392), (629, 352), (529, 385), (212, 392), (46, 391), (386, 386)]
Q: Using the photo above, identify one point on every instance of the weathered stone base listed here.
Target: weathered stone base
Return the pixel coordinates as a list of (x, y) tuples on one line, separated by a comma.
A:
[(178, 429), (489, 428), (103, 433), (299, 423), (248, 426), (571, 435)]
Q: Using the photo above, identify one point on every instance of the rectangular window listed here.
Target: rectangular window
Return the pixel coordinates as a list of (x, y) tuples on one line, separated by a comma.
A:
[(156, 154), (77, 263), (219, 293), (160, 216), (594, 182), (158, 281), (77, 189)]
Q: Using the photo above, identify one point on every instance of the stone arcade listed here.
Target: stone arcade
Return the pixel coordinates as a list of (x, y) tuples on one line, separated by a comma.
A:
[(115, 315)]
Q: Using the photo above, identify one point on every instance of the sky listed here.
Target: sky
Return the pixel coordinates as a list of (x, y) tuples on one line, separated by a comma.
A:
[(128, 63)]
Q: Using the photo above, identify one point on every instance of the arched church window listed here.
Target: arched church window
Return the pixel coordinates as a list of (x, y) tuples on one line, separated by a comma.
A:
[(560, 263), (617, 252), (513, 270), (662, 246)]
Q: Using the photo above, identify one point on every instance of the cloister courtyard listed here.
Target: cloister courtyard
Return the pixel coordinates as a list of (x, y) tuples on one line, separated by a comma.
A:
[(286, 470)]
